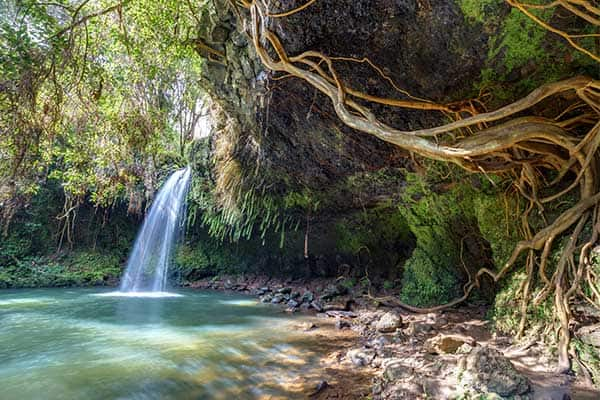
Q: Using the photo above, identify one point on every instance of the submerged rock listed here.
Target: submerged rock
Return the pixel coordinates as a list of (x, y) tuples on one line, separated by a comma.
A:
[(486, 370), (388, 322)]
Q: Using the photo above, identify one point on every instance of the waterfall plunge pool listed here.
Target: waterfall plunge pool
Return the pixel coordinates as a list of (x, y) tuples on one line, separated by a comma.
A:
[(91, 344)]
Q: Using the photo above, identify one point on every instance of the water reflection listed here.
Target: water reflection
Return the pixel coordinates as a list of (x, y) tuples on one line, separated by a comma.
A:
[(201, 345)]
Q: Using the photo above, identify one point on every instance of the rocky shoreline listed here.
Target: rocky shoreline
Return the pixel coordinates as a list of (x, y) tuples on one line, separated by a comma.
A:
[(445, 355)]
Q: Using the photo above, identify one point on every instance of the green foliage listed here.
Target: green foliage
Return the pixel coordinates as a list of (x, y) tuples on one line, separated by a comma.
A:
[(431, 274), (442, 216), (99, 106), (521, 54), (75, 269), (481, 10), (590, 357)]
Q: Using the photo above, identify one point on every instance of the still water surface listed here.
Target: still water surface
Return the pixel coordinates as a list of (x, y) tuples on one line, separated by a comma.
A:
[(82, 344)]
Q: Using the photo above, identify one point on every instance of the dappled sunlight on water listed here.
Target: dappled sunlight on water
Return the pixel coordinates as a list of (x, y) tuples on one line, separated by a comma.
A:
[(85, 344)]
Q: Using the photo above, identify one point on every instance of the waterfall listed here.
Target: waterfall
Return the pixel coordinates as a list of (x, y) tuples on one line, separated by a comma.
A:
[(149, 261)]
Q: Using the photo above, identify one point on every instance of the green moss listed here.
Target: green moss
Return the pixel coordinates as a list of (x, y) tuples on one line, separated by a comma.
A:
[(430, 274), (480, 10), (381, 232), (520, 41)]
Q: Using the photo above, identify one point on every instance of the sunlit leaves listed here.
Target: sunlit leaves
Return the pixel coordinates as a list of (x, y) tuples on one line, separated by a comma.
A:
[(90, 93)]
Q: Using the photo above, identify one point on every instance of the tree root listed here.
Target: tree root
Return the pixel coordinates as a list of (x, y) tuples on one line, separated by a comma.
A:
[(525, 147)]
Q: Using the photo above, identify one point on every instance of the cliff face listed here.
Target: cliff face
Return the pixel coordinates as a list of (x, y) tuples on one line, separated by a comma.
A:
[(425, 48), (278, 137)]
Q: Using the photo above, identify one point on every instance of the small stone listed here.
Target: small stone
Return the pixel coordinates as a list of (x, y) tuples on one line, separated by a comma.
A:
[(361, 357), (388, 322), (379, 342), (465, 348), (308, 326), (319, 388), (341, 323)]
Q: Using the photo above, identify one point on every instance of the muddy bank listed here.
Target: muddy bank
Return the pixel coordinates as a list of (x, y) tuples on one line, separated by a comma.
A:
[(371, 349)]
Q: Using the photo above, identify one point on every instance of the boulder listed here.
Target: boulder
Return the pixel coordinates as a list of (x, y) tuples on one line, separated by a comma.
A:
[(266, 298), (292, 304), (307, 297), (486, 370), (388, 322), (278, 298), (444, 344), (316, 306), (333, 291), (590, 334)]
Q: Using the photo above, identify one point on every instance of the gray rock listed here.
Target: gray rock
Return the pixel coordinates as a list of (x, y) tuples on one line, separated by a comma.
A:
[(341, 323), (308, 326), (388, 322), (395, 370), (284, 290), (361, 357), (333, 291), (278, 298), (266, 298), (379, 342), (316, 306), (307, 297), (488, 371), (416, 327), (590, 335), (292, 303)]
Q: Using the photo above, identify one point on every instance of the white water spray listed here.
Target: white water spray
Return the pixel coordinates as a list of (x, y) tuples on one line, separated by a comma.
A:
[(149, 261)]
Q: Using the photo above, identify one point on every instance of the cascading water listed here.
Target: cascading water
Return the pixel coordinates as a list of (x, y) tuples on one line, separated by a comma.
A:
[(149, 261)]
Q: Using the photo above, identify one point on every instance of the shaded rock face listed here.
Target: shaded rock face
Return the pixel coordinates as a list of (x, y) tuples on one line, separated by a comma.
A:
[(290, 138), (487, 370), (425, 47)]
